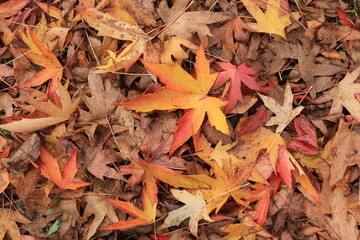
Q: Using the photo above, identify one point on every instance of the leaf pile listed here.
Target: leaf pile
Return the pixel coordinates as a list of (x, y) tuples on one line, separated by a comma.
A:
[(179, 119)]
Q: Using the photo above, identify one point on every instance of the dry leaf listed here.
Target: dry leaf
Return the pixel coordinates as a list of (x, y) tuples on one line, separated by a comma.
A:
[(284, 113), (195, 208)]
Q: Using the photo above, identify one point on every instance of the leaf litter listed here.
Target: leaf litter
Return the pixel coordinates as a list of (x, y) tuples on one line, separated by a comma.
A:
[(129, 119)]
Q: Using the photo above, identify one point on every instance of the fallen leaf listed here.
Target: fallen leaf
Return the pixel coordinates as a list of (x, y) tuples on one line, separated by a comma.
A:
[(8, 219), (12, 7), (272, 21), (55, 114), (98, 165), (309, 70), (100, 208), (195, 208), (284, 113), (181, 27), (103, 94), (342, 94), (284, 167), (4, 174), (229, 33), (50, 9), (237, 75), (109, 26), (41, 55), (247, 230), (51, 170), (182, 91), (346, 151), (173, 48), (306, 142)]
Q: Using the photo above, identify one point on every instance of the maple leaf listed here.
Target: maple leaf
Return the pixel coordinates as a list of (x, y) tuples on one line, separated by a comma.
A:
[(4, 174), (142, 217), (271, 21), (181, 27), (346, 151), (42, 56), (100, 208), (55, 114), (110, 26), (51, 170), (195, 208), (309, 69), (260, 139), (284, 113), (148, 173), (306, 142), (182, 91), (8, 219), (12, 7), (284, 166), (230, 33), (172, 48), (342, 94), (237, 75), (100, 102), (247, 230)]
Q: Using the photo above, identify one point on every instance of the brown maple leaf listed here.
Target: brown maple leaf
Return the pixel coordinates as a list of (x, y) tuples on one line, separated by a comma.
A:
[(8, 219), (343, 94), (284, 113), (181, 27)]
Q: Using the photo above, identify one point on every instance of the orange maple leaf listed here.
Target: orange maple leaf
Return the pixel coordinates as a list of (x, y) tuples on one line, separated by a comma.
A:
[(51, 170), (42, 56), (182, 91), (148, 173)]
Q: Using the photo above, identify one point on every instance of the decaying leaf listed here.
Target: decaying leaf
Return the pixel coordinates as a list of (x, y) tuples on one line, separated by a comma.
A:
[(342, 95), (100, 208), (100, 102), (198, 19), (284, 113), (8, 219)]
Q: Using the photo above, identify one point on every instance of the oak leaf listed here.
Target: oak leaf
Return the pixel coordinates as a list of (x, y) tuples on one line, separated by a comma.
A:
[(195, 208), (272, 21), (41, 55), (237, 75), (51, 170), (182, 91), (284, 113), (343, 95), (181, 27), (8, 219), (54, 113)]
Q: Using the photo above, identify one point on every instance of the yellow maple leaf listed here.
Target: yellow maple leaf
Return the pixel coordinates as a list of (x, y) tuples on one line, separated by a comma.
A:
[(272, 21)]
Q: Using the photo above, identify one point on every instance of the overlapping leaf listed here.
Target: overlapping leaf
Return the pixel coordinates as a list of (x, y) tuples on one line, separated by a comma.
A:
[(51, 170), (182, 91), (41, 55)]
